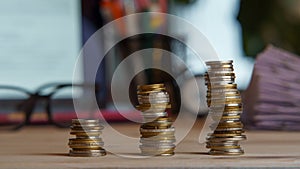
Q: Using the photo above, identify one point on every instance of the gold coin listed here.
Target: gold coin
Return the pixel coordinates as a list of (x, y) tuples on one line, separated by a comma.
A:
[(230, 117), (151, 86), (223, 147), (227, 86), (85, 133), (224, 134), (84, 140), (162, 152), (87, 152), (156, 126), (230, 123), (150, 91), (87, 146)]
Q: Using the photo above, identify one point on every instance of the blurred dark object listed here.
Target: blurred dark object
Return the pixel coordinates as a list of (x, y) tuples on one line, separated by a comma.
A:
[(55, 99), (272, 100), (91, 22), (184, 2), (270, 21)]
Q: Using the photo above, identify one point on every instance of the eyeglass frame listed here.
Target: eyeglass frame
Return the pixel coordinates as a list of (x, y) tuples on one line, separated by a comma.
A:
[(30, 103)]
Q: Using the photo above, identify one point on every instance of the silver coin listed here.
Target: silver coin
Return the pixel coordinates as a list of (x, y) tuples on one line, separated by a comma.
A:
[(157, 146), (220, 91), (143, 101), (226, 93), (84, 121), (215, 66), (227, 105), (87, 136), (218, 68), (232, 119), (235, 143), (219, 82), (218, 152), (224, 97), (229, 129), (86, 145), (166, 97), (86, 151), (154, 114), (216, 73), (155, 95), (229, 150), (97, 139), (228, 138), (152, 97), (219, 62), (226, 121), (232, 113)]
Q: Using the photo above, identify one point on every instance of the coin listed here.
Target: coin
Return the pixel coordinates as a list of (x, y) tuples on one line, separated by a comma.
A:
[(228, 138), (229, 132), (88, 142), (84, 140), (150, 86), (225, 107), (157, 133), (85, 133), (159, 123), (87, 153), (149, 92), (86, 127), (219, 62), (223, 152)]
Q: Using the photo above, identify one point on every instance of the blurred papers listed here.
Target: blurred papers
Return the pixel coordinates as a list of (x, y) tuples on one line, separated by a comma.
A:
[(272, 100)]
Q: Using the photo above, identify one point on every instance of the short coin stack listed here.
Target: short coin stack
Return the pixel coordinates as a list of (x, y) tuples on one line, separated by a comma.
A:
[(224, 99), (157, 131), (87, 142)]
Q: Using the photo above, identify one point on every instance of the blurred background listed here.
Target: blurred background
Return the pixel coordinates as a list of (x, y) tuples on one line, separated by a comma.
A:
[(40, 40)]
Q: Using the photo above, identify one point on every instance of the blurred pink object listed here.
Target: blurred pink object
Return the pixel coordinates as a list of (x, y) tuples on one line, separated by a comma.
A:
[(272, 100)]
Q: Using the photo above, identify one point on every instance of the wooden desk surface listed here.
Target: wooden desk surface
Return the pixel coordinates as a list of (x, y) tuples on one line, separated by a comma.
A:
[(46, 147)]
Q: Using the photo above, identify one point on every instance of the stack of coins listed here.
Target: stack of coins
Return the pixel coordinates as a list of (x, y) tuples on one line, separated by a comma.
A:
[(87, 142), (157, 133), (224, 99)]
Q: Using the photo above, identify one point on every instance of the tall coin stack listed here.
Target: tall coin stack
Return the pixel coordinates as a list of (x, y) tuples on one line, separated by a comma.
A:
[(225, 104), (87, 142), (157, 133)]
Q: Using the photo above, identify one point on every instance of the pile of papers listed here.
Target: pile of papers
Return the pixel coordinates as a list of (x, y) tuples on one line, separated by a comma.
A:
[(272, 100)]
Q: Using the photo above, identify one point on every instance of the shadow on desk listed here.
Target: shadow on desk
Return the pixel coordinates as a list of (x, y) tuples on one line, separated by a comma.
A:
[(192, 153)]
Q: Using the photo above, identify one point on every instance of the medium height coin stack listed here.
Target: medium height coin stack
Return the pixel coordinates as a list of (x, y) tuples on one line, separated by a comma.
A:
[(223, 98), (157, 133), (87, 142)]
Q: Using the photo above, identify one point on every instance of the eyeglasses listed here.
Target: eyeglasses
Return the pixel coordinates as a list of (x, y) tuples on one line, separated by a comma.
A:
[(54, 100)]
